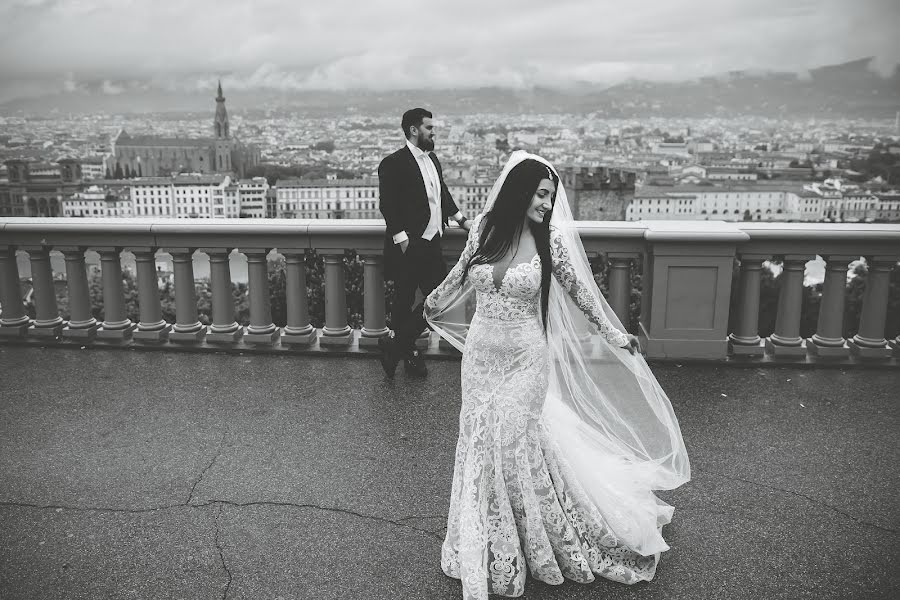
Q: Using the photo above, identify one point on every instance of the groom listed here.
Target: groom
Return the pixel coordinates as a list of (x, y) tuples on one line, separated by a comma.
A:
[(416, 205)]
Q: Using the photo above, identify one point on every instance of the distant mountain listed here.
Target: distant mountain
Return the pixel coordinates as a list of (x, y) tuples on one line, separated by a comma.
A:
[(851, 89)]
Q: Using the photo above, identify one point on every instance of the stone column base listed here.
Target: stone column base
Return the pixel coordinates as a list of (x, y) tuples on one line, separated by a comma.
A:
[(120, 335), (815, 349), (424, 340), (369, 342), (152, 335), (445, 345), (188, 337), (684, 349), (47, 332), (895, 344), (303, 339), (336, 340), (224, 338), (757, 349), (88, 333), (868, 353), (262, 338), (14, 330), (785, 351)]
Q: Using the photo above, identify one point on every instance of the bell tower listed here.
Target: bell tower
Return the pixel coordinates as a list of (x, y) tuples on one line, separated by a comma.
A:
[(223, 141), (221, 122)]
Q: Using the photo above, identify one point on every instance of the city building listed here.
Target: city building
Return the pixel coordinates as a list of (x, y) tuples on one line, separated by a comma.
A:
[(152, 156), (252, 197), (98, 201), (35, 189), (330, 198), (184, 197)]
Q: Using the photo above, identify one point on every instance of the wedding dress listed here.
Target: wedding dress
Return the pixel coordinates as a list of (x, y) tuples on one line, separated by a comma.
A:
[(547, 479)]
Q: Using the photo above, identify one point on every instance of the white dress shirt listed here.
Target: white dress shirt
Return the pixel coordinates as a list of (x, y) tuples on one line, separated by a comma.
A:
[(432, 190)]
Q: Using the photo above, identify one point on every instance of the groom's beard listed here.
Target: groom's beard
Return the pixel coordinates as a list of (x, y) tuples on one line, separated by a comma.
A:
[(425, 144)]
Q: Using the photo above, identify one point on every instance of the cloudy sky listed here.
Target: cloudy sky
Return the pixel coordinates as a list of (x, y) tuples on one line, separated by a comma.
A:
[(110, 45)]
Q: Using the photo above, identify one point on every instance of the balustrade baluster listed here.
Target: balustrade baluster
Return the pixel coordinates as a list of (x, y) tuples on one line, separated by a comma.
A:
[(745, 340), (47, 322), (786, 340), (14, 322), (224, 329), (374, 326), (828, 341), (81, 325), (869, 342), (336, 331), (116, 324), (620, 284), (298, 329), (151, 327), (261, 329), (188, 327)]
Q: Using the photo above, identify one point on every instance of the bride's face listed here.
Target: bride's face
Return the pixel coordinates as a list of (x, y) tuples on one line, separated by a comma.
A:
[(542, 201)]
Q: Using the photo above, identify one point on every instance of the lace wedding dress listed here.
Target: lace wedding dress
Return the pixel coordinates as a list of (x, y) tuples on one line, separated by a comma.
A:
[(516, 505)]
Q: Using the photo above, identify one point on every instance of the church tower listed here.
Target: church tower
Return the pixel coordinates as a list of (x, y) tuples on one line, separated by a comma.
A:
[(222, 135)]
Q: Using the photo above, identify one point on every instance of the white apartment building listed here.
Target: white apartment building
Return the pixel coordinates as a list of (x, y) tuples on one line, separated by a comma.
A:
[(327, 199), (715, 203), (96, 201), (252, 197), (184, 197), (469, 197), (93, 168)]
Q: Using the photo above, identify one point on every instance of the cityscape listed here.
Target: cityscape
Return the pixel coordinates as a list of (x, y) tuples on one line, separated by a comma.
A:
[(290, 165)]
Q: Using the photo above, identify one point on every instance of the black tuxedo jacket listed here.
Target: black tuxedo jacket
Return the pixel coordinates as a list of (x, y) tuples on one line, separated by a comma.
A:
[(404, 202)]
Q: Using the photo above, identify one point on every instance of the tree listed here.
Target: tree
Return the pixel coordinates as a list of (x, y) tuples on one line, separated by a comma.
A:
[(326, 145), (118, 172)]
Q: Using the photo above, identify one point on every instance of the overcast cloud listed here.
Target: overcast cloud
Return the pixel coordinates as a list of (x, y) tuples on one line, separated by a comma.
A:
[(62, 45)]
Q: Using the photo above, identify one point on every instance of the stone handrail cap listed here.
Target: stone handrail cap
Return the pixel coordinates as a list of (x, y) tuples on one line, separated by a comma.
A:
[(694, 231)]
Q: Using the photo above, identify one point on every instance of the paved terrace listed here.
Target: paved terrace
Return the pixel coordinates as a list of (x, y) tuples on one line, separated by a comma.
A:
[(129, 474)]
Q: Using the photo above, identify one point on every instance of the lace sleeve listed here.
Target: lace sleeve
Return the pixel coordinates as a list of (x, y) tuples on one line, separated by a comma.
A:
[(454, 277), (586, 301)]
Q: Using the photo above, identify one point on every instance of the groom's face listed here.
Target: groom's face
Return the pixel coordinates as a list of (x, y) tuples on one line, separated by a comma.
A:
[(425, 135)]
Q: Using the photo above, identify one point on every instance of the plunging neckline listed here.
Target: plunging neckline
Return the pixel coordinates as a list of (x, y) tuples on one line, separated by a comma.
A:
[(497, 288)]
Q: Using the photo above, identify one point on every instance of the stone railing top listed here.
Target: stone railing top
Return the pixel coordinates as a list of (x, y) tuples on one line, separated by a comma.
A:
[(368, 234)]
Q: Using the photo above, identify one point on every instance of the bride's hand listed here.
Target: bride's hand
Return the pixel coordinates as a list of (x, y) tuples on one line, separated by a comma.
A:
[(633, 344)]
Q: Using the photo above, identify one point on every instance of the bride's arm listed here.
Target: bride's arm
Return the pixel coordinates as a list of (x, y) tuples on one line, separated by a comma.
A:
[(454, 277), (586, 301)]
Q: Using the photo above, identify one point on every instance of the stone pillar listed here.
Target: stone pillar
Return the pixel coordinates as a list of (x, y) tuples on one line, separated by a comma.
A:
[(188, 327), (82, 325), (336, 331), (828, 341), (151, 327), (14, 322), (620, 285), (261, 330), (224, 328), (786, 340), (296, 297), (116, 325), (686, 288), (374, 326), (47, 322), (869, 342), (745, 340)]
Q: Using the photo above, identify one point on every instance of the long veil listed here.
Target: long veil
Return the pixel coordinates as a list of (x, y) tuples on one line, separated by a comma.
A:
[(605, 410)]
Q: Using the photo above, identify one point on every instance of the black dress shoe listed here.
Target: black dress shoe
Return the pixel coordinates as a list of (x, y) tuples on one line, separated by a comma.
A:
[(415, 365), (389, 358)]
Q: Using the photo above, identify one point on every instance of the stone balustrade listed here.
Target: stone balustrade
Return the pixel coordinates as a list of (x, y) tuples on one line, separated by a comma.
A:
[(686, 284)]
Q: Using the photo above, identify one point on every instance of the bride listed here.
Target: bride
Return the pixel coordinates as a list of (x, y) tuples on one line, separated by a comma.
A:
[(563, 436)]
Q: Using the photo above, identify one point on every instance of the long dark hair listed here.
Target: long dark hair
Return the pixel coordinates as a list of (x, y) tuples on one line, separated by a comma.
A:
[(504, 222)]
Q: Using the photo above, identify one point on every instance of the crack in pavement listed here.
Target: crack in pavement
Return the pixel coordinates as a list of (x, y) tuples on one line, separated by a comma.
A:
[(222, 556), (208, 467), (215, 502), (800, 495)]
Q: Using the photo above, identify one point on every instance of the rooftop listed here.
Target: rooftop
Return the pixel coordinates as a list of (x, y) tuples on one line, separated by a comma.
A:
[(156, 474)]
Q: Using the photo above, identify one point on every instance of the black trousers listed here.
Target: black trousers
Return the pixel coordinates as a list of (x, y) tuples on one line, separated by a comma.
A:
[(422, 267)]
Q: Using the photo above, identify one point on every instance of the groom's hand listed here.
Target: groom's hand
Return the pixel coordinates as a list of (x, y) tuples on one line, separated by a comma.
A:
[(403, 245)]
